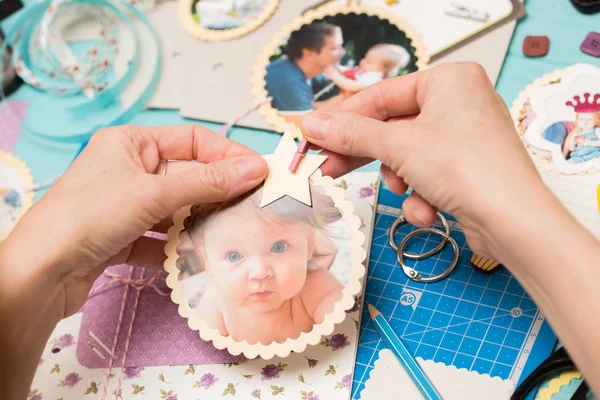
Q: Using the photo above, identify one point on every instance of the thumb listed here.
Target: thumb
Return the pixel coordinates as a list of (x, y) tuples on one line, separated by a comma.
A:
[(210, 183), (358, 136)]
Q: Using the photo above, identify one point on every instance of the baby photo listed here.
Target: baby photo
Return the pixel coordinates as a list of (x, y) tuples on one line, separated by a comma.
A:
[(332, 58), (264, 275), (560, 120), (227, 14), (579, 138)]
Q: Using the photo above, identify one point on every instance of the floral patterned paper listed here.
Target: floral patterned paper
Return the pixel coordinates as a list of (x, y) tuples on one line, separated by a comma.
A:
[(322, 372)]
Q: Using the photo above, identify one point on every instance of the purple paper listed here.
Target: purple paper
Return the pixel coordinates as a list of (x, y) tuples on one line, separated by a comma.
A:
[(160, 336), (12, 114)]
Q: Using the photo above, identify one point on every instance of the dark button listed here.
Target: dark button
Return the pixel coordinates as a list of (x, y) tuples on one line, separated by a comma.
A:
[(536, 46)]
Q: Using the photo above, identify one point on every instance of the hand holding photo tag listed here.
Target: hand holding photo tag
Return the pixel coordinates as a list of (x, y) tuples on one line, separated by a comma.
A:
[(283, 182), (272, 271)]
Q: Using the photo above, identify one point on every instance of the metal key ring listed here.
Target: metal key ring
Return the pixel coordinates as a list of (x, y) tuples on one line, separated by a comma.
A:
[(413, 256), (411, 272)]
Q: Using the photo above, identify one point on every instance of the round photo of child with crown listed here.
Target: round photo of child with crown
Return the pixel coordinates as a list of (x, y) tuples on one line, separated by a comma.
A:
[(330, 54), (266, 281), (558, 117), (581, 142)]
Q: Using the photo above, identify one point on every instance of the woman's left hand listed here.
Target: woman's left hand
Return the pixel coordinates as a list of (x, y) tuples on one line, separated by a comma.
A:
[(97, 212)]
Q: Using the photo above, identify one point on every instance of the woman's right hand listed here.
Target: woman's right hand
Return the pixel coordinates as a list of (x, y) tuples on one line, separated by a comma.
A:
[(446, 133)]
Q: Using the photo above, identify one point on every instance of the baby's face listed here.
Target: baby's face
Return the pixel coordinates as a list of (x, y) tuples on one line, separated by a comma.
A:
[(257, 259), (586, 121), (372, 62)]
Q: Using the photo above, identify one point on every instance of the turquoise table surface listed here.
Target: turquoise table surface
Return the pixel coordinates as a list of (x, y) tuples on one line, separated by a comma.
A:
[(555, 18)]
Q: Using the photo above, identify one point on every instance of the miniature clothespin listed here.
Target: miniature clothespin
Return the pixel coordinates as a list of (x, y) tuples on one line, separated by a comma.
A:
[(281, 180), (456, 9), (300, 153)]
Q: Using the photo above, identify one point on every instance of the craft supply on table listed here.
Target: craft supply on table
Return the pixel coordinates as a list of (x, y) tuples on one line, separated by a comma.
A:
[(536, 46), (410, 272), (283, 182), (298, 210), (483, 264), (591, 44), (485, 323), (299, 155), (563, 387), (557, 362), (9, 7), (324, 370), (456, 8), (544, 114), (11, 116), (389, 380), (463, 19), (212, 20), (277, 68), (394, 343), (587, 6), (9, 81), (15, 199), (44, 60), (149, 343)]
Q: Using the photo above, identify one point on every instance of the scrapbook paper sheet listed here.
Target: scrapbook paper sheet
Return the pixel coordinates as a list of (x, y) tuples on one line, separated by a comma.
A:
[(430, 16), (12, 114), (323, 371), (156, 321), (389, 380), (578, 195)]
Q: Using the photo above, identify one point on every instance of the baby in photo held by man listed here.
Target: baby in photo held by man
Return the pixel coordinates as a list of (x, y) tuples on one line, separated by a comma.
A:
[(382, 61), (266, 271)]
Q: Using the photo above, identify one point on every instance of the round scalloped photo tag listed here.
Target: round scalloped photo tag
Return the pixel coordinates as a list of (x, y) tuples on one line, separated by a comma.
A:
[(326, 56), (557, 117), (218, 20), (264, 282), (15, 199)]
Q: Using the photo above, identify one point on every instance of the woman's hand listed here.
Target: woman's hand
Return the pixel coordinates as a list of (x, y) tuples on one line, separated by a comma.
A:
[(446, 133), (96, 214)]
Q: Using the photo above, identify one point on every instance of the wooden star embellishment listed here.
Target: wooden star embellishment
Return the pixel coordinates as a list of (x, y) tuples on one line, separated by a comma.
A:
[(281, 181)]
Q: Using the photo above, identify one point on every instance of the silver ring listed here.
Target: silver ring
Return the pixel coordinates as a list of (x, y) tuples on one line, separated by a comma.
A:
[(412, 256), (411, 272), (162, 167)]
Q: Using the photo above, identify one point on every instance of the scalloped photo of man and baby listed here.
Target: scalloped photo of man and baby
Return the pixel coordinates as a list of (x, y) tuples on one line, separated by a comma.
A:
[(328, 60)]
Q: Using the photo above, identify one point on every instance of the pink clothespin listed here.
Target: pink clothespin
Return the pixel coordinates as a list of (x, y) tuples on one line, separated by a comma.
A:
[(300, 153)]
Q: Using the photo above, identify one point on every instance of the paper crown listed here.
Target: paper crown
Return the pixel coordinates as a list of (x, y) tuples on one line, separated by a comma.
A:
[(587, 105)]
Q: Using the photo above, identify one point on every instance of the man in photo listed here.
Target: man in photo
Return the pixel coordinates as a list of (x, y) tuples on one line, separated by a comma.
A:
[(309, 51)]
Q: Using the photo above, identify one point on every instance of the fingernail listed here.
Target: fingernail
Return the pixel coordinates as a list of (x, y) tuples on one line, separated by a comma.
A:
[(251, 167), (315, 125)]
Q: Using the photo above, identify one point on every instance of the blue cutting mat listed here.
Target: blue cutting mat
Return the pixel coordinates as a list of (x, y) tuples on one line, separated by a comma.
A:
[(484, 323)]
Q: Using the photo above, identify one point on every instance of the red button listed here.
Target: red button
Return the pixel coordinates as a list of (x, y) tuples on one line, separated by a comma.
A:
[(536, 46)]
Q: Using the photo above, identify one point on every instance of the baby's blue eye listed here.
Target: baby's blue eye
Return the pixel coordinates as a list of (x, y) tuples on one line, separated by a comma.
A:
[(234, 256), (279, 247)]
